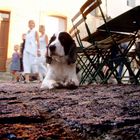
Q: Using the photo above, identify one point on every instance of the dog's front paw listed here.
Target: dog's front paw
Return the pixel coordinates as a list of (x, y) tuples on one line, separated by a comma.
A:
[(50, 84), (71, 85), (44, 87)]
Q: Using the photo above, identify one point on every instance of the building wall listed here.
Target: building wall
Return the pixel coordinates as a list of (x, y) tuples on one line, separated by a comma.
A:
[(117, 7), (23, 10), (38, 10)]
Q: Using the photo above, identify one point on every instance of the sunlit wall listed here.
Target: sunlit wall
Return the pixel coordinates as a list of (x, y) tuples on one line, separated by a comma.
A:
[(38, 10), (23, 10)]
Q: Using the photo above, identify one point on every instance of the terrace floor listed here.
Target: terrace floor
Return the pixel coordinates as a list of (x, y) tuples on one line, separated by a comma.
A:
[(94, 112)]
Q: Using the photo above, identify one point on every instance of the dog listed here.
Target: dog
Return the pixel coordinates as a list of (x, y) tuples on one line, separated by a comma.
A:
[(61, 68)]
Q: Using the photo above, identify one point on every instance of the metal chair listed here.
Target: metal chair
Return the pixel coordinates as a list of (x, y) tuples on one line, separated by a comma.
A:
[(92, 57), (104, 52), (88, 58)]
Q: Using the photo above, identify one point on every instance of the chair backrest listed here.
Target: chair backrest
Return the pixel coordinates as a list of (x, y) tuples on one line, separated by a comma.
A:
[(75, 34), (89, 6), (85, 10), (79, 20)]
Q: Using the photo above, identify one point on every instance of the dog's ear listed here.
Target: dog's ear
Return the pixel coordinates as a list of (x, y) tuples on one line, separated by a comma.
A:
[(72, 55), (69, 47), (52, 39)]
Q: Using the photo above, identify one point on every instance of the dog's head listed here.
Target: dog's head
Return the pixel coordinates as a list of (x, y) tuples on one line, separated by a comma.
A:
[(62, 45)]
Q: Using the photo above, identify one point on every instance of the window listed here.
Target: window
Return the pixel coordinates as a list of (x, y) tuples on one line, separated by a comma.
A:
[(55, 24), (131, 3)]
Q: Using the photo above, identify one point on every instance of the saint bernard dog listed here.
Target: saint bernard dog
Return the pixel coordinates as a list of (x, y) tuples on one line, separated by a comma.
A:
[(61, 67)]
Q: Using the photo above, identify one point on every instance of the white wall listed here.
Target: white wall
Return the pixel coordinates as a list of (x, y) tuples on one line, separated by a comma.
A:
[(23, 10), (116, 7)]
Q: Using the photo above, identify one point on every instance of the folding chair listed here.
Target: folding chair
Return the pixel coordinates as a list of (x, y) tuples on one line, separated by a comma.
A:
[(87, 56), (93, 53), (107, 55), (128, 22), (110, 57)]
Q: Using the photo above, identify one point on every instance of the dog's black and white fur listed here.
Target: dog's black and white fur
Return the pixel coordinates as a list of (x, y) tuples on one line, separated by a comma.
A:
[(61, 71)]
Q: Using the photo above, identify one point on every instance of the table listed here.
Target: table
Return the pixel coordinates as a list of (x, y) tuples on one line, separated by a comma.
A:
[(127, 22)]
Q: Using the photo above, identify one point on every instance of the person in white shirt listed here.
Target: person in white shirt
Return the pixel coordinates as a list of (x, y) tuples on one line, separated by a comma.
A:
[(31, 50), (43, 42)]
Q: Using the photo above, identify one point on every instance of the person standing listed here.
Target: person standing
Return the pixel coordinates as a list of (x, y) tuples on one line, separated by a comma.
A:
[(21, 51), (31, 50), (43, 41), (15, 65), (138, 46)]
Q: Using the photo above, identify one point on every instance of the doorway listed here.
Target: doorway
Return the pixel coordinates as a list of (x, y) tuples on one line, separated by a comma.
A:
[(55, 24), (4, 32)]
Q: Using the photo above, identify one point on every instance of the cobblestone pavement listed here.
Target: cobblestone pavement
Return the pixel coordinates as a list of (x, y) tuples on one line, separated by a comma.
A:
[(5, 76), (95, 112)]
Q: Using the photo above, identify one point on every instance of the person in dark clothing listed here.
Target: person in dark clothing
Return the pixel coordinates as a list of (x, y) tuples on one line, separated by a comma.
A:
[(21, 51)]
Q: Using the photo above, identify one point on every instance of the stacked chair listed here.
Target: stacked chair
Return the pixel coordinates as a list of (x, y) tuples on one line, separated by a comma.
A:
[(99, 54)]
